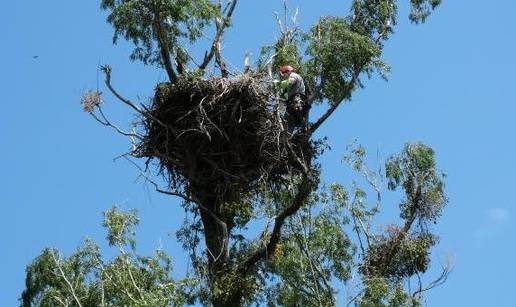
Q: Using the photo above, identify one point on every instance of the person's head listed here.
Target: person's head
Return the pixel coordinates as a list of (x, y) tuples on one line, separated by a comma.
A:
[(285, 71)]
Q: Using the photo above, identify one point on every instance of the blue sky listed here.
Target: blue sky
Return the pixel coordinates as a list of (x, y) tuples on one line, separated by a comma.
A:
[(451, 86)]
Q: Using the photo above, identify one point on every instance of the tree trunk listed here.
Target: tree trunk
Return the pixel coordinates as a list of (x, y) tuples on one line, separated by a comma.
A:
[(216, 236), (216, 239)]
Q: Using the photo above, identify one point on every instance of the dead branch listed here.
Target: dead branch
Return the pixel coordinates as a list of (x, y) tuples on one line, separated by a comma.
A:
[(247, 65), (354, 298), (106, 69), (105, 122), (221, 23), (446, 270)]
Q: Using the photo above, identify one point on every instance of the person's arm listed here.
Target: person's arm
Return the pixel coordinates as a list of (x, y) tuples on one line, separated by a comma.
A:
[(284, 84)]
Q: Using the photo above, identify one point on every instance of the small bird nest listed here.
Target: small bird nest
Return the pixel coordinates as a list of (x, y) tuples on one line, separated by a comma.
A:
[(220, 137)]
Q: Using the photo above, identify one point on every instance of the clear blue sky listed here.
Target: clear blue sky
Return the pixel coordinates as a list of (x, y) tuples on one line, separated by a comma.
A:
[(452, 87)]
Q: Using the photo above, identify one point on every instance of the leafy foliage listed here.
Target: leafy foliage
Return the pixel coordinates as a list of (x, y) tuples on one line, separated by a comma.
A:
[(141, 21), (85, 279), (374, 17), (415, 171), (404, 251), (314, 252), (412, 257), (314, 237), (336, 53), (380, 293), (421, 9)]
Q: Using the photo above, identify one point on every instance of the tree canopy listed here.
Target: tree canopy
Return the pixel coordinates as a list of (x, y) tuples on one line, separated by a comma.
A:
[(215, 138)]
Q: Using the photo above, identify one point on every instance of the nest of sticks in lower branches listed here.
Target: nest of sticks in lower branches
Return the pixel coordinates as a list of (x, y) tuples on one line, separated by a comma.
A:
[(221, 137)]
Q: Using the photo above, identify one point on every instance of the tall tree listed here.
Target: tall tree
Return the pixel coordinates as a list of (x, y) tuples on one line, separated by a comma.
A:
[(218, 141)]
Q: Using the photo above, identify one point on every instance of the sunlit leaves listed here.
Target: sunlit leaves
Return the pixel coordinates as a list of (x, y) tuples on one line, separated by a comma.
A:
[(120, 227), (374, 17), (139, 21), (315, 250), (415, 171), (85, 278), (412, 255), (337, 53), (380, 293)]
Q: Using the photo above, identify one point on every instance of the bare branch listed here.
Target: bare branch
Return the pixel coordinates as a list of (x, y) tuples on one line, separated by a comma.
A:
[(106, 69), (142, 111), (268, 64), (280, 24), (354, 298), (221, 24), (357, 231), (133, 281), (441, 279), (220, 61), (156, 186), (105, 122), (303, 244), (247, 65)]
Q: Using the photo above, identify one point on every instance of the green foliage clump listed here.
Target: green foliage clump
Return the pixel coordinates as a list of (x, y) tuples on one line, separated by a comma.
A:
[(415, 171), (85, 279), (141, 21), (336, 53), (421, 9), (412, 255), (380, 293), (234, 289), (374, 17), (120, 227), (286, 51), (240, 213), (315, 250)]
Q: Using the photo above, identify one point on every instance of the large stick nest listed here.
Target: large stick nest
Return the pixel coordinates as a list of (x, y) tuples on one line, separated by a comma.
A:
[(220, 137)]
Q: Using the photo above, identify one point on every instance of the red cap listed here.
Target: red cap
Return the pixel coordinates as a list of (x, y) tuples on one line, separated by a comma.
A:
[(285, 69)]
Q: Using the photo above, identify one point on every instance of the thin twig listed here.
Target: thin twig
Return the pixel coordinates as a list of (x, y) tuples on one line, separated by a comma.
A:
[(441, 279), (105, 122)]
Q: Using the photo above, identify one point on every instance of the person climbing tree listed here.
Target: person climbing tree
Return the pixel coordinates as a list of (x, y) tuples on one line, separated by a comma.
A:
[(294, 89)]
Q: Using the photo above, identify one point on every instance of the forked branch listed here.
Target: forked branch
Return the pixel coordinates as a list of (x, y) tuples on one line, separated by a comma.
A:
[(221, 24), (441, 279)]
